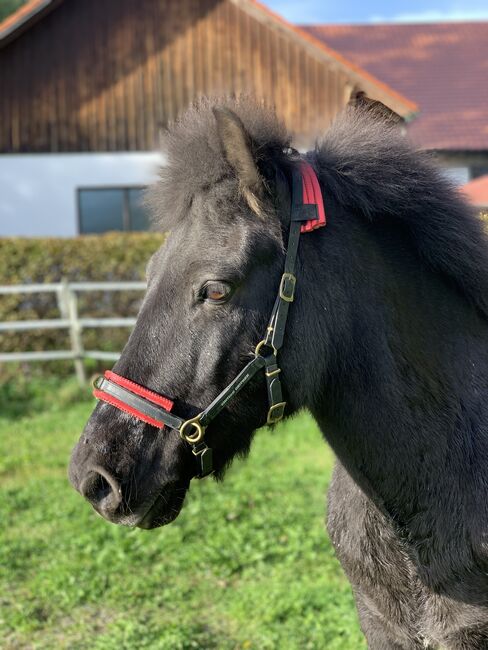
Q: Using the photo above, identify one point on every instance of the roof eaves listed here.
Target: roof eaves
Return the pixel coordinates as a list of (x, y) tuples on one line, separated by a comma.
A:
[(21, 19), (368, 82)]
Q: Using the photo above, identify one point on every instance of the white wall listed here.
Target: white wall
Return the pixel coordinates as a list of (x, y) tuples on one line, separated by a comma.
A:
[(38, 191), (458, 175)]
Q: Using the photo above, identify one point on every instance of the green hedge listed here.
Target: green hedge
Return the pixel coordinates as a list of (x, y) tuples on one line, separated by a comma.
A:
[(115, 256)]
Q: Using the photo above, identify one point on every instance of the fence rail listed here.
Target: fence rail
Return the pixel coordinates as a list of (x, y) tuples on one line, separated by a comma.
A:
[(67, 300)]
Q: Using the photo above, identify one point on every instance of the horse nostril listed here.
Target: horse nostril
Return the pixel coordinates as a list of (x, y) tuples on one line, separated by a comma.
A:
[(102, 490)]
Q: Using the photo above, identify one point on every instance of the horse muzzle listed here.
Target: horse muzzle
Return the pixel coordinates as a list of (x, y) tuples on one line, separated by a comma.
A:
[(113, 499)]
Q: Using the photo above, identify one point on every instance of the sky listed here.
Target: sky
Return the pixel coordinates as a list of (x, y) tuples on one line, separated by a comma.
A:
[(362, 11)]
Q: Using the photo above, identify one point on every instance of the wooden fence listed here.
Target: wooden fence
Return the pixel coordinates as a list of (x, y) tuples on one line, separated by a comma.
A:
[(67, 299)]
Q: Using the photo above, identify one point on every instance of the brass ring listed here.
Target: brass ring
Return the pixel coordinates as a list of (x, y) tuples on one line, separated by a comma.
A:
[(261, 344), (198, 434)]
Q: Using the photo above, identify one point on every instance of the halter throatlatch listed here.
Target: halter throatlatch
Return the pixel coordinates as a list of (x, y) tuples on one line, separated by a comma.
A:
[(307, 213)]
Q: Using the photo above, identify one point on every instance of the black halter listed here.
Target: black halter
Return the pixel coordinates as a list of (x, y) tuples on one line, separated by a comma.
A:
[(306, 213)]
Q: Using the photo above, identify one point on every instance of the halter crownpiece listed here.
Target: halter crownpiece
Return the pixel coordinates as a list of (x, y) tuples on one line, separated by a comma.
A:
[(307, 213), (311, 195)]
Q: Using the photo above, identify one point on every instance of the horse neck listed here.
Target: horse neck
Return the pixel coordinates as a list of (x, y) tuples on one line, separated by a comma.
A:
[(403, 403)]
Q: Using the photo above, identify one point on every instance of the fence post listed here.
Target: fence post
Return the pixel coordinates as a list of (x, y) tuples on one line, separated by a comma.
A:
[(68, 306)]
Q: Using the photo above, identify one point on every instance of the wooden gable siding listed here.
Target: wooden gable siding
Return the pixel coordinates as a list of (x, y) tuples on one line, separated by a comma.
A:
[(106, 75)]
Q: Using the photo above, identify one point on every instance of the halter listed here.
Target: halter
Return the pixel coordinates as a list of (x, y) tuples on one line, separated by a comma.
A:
[(306, 214)]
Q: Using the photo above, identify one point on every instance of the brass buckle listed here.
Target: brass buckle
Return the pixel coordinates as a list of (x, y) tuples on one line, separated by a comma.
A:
[(287, 287), (272, 417), (199, 432), (260, 345), (273, 373)]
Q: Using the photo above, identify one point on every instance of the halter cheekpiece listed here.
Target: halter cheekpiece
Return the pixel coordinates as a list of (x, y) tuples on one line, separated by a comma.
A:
[(307, 213)]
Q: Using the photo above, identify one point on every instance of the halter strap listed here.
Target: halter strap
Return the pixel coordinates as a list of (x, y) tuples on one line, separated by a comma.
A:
[(307, 206), (306, 212)]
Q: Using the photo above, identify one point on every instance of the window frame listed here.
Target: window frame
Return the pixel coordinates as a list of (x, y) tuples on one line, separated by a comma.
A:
[(126, 217)]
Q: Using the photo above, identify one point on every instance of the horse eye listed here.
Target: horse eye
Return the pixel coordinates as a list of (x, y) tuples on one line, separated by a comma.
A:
[(215, 291)]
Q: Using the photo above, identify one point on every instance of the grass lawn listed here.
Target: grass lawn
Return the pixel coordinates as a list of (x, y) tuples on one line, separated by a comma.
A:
[(246, 565)]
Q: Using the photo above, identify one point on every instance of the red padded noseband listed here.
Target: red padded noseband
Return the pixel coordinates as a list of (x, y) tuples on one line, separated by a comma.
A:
[(131, 386)]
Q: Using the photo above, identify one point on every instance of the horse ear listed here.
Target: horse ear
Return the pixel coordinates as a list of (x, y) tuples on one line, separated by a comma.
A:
[(236, 144), (374, 107)]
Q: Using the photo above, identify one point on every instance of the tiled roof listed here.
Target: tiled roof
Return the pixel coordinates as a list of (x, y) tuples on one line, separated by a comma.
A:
[(477, 191), (443, 67)]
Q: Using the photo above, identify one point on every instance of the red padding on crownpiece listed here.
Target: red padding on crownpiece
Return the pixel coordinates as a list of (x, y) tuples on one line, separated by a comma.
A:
[(312, 195), (150, 395), (100, 394)]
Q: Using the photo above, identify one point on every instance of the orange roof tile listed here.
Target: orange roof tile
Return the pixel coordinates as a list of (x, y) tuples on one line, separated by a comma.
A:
[(477, 191), (441, 66)]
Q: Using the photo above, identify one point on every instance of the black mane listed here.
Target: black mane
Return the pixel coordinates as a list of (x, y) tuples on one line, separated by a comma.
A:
[(370, 168)]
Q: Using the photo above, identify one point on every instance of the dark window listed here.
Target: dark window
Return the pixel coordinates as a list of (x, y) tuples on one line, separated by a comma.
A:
[(139, 218), (111, 208), (479, 170)]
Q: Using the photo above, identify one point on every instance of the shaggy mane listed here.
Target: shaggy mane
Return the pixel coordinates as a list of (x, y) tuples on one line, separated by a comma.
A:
[(363, 161), (371, 168)]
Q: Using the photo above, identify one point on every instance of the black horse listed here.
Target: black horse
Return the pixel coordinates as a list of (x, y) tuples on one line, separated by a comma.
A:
[(386, 345)]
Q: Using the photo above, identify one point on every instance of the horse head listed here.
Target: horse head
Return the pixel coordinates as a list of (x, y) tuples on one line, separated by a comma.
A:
[(211, 289)]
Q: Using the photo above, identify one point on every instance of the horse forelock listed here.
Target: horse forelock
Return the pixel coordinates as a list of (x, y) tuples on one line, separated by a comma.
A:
[(194, 157)]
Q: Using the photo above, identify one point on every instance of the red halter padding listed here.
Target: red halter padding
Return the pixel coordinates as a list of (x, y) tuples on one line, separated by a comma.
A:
[(151, 396), (312, 195)]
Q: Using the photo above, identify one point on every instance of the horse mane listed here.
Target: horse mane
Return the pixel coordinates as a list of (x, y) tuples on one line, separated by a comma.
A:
[(369, 167), (363, 161)]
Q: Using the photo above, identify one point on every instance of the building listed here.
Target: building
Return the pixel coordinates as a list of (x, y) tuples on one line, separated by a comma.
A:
[(86, 85), (476, 192), (443, 67)]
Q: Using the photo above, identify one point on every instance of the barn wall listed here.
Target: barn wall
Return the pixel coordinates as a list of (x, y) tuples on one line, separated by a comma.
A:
[(106, 75)]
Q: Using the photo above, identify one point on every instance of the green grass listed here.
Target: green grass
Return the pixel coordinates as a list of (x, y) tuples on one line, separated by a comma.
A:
[(246, 565)]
